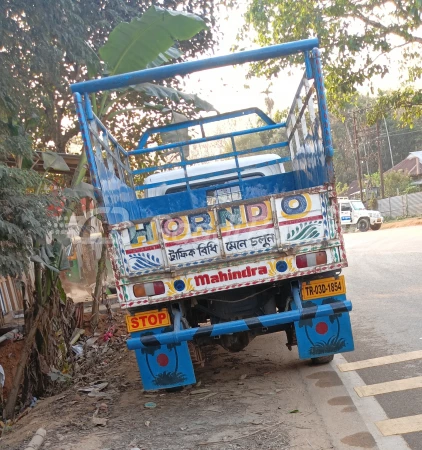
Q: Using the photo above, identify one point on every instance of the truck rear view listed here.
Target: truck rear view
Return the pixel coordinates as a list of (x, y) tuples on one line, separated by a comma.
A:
[(224, 239)]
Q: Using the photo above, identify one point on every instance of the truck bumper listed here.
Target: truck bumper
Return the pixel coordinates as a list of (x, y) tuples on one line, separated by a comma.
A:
[(322, 328), (300, 316)]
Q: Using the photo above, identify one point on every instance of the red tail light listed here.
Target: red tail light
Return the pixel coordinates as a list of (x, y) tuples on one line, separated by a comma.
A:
[(311, 259), (159, 287), (149, 289)]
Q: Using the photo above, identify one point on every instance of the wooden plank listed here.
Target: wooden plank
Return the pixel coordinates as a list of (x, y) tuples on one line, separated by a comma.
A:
[(402, 425), (374, 362), (389, 386)]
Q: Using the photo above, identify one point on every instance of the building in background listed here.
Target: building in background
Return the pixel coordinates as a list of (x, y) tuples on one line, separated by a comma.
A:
[(412, 166)]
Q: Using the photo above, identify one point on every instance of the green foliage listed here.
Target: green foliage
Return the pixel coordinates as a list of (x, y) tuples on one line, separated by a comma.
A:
[(357, 39), (404, 104), (54, 161), (142, 43), (25, 218), (403, 138), (129, 46), (398, 183), (341, 188), (373, 179), (165, 92), (47, 45)]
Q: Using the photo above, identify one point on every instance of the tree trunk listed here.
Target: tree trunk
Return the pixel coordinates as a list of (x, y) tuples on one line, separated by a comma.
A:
[(98, 291), (9, 411), (88, 257)]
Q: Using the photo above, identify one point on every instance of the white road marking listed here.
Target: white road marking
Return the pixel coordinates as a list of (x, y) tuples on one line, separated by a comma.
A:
[(389, 386), (374, 362), (402, 425), (369, 409)]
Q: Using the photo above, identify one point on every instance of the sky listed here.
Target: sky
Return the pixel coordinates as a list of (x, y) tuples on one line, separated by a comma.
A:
[(224, 87)]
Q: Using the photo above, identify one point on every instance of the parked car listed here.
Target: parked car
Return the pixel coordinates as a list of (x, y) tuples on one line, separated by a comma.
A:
[(354, 212)]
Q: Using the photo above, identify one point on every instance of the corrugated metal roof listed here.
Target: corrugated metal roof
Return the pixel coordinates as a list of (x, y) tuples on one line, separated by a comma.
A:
[(418, 154), (412, 165)]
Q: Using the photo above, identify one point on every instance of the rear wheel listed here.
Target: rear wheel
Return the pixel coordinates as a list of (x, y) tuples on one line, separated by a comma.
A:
[(175, 389), (375, 226), (363, 225), (322, 360)]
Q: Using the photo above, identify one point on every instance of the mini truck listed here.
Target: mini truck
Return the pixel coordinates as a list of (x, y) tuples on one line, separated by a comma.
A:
[(220, 249)]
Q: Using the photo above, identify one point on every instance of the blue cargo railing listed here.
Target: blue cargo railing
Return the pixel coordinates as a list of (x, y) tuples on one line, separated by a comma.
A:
[(185, 68), (307, 126)]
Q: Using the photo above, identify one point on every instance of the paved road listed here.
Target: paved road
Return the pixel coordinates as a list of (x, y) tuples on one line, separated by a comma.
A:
[(384, 282)]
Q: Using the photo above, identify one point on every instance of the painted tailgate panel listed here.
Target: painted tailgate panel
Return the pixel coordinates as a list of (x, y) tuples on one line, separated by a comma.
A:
[(301, 219), (228, 232), (203, 280)]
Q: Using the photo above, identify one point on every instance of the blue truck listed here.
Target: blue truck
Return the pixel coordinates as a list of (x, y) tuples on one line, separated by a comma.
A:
[(219, 248)]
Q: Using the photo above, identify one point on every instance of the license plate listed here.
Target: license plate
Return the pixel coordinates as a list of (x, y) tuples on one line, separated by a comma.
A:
[(147, 320), (323, 288)]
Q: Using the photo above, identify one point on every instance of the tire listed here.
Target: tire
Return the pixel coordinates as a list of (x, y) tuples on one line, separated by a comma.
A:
[(375, 226), (363, 225), (175, 389), (322, 360)]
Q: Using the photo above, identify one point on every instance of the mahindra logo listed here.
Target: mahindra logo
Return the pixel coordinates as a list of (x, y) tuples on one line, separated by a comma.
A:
[(202, 280)]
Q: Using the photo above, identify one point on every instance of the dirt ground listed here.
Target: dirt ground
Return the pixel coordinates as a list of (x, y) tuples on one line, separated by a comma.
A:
[(254, 399), (412, 221)]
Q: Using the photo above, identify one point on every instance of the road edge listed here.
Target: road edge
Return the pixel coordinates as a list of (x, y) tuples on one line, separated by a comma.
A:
[(368, 408)]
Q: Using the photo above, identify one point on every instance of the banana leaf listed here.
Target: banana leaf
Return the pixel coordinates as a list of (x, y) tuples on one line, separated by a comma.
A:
[(148, 40)]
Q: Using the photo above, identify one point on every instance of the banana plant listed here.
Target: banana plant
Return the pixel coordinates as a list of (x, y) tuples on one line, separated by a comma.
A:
[(145, 42)]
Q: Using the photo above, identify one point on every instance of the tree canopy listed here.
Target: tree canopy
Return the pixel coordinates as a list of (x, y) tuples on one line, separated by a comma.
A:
[(48, 45), (394, 134), (358, 39)]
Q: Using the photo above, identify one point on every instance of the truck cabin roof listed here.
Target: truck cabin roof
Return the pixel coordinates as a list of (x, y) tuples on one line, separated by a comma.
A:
[(208, 169)]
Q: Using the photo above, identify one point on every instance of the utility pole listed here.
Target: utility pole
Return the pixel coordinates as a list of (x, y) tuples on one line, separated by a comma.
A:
[(389, 143), (355, 132), (380, 160)]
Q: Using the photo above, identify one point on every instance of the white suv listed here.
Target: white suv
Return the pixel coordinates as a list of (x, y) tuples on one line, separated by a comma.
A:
[(353, 212)]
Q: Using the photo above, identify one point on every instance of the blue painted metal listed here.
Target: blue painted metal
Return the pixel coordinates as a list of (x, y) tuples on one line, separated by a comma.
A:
[(203, 121), (141, 151), (112, 139), (323, 111), (177, 319), (112, 193), (88, 107), (115, 179), (166, 366), (237, 326), (236, 153), (83, 124), (182, 201), (188, 179), (322, 335), (163, 72), (213, 158), (308, 66), (296, 296)]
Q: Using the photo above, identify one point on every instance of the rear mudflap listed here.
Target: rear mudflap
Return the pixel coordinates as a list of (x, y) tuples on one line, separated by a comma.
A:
[(164, 366), (323, 336)]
